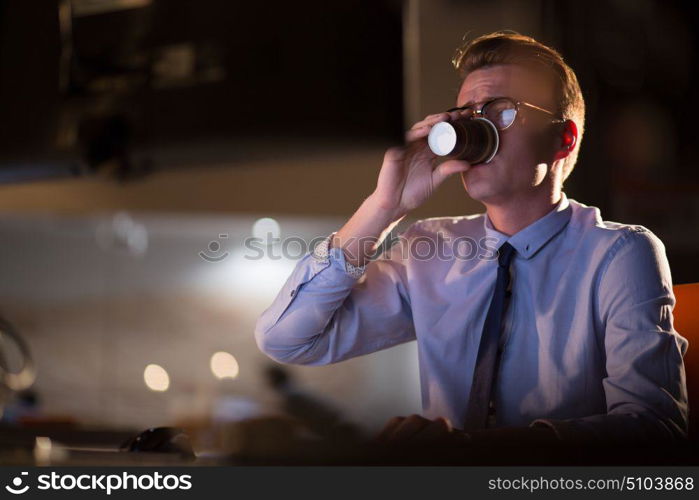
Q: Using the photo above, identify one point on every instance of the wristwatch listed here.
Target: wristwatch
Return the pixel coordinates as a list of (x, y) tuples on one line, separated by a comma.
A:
[(321, 252)]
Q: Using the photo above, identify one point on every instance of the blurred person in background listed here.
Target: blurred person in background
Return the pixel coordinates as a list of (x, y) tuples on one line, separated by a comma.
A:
[(557, 328), (318, 415)]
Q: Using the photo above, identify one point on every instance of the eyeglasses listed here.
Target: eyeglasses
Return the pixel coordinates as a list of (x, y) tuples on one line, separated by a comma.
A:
[(502, 111)]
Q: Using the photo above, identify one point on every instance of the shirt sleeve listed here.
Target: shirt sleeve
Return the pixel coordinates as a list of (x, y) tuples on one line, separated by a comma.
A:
[(325, 314), (645, 383)]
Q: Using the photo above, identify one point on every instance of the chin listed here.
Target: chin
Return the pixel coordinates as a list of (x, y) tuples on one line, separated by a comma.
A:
[(479, 190), (486, 194)]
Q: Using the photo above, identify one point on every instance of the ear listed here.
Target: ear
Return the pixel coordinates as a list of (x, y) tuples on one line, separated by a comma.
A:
[(567, 139)]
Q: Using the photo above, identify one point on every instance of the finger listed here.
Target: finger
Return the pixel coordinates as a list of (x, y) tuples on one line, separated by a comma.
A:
[(392, 167), (418, 151), (422, 128), (449, 167), (431, 120), (417, 133), (424, 159), (389, 428), (394, 154), (445, 422), (437, 430), (455, 115), (460, 113), (408, 427)]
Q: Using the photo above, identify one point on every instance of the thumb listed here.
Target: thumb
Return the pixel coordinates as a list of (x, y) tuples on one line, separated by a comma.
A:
[(448, 168)]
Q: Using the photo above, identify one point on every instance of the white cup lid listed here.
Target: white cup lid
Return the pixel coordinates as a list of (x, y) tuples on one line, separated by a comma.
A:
[(442, 138)]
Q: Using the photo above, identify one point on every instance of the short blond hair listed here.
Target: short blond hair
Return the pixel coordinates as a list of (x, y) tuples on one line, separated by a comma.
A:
[(510, 47)]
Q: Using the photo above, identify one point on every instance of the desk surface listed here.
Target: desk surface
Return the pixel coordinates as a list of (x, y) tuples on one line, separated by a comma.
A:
[(76, 447)]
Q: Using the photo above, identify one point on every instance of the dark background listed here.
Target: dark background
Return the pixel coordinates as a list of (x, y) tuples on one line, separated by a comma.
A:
[(143, 90), (96, 86), (637, 64)]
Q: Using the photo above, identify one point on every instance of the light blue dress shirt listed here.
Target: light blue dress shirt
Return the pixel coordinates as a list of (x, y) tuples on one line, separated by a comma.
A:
[(589, 344)]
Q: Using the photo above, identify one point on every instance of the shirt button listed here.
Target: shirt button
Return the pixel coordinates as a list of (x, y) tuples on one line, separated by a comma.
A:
[(293, 292)]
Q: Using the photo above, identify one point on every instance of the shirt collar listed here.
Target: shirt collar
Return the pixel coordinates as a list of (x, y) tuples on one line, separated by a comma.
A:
[(532, 238)]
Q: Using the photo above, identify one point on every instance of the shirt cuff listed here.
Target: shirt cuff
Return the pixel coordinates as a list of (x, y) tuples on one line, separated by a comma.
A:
[(322, 254)]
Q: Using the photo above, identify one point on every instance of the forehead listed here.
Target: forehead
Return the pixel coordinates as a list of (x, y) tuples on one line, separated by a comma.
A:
[(508, 80)]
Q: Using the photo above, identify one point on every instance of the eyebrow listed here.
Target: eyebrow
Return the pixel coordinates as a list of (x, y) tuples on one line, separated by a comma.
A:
[(471, 103)]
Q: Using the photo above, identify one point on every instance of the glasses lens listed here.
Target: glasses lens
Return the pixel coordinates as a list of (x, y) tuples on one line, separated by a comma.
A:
[(501, 112)]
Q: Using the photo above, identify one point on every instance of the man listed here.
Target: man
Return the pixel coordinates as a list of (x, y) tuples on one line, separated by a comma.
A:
[(563, 333)]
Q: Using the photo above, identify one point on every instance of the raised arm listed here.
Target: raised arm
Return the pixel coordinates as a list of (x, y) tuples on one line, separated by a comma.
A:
[(325, 314)]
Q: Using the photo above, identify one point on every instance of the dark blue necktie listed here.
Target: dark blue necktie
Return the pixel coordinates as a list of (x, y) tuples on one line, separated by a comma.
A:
[(488, 355)]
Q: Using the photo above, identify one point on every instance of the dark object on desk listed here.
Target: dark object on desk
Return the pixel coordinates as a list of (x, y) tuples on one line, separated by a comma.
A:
[(161, 440)]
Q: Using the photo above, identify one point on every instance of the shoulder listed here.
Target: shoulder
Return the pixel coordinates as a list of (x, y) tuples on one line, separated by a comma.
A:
[(587, 223), (630, 255)]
